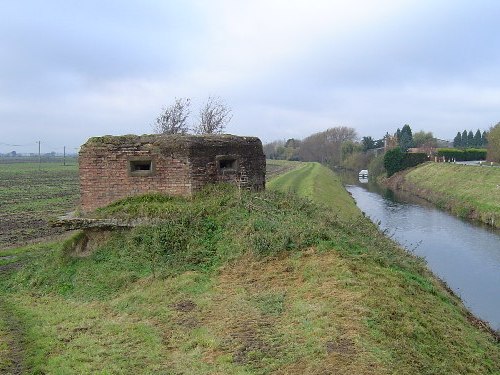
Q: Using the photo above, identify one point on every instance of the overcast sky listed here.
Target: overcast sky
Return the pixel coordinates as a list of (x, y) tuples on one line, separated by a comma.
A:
[(75, 69)]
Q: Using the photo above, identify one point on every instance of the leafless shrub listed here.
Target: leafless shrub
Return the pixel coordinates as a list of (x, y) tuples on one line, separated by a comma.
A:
[(173, 119), (214, 117)]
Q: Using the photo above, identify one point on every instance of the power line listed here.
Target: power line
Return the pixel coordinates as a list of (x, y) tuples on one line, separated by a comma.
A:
[(11, 145)]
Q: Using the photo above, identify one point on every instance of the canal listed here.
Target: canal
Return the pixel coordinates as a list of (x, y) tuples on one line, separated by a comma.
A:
[(463, 254)]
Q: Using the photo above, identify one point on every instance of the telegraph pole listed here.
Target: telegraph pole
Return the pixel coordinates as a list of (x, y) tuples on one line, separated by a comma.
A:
[(64, 156)]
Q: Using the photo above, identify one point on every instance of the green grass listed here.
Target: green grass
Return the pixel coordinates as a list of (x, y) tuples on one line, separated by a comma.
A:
[(467, 191), (233, 282), (321, 185)]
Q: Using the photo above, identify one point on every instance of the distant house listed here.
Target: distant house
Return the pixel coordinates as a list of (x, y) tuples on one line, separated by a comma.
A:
[(114, 167)]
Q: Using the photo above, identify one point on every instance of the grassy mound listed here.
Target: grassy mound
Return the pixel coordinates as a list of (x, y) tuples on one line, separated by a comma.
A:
[(233, 282)]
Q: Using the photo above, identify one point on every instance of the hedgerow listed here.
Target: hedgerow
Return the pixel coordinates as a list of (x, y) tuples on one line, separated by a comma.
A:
[(462, 155)]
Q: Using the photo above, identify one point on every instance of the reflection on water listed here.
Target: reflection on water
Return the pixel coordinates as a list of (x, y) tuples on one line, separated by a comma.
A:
[(466, 256), (363, 180)]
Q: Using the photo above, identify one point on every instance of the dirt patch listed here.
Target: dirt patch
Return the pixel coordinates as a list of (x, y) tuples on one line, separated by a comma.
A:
[(185, 306), (249, 346), (90, 240), (342, 346), (189, 322), (10, 267)]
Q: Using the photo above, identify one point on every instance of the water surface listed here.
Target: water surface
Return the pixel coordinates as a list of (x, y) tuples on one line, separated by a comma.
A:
[(463, 254)]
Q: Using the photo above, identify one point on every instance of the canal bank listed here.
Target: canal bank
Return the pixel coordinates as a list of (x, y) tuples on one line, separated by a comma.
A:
[(464, 254), (466, 191)]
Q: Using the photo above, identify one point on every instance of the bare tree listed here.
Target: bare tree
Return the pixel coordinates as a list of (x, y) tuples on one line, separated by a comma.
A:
[(214, 116), (173, 119)]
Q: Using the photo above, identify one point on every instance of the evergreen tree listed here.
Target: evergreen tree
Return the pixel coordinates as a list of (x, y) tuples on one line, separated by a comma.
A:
[(470, 139), (464, 139), (484, 139), (368, 143), (477, 139), (457, 141), (398, 135), (406, 138)]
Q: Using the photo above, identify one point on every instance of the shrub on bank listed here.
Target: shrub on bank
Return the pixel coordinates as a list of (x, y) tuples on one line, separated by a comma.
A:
[(414, 159), (393, 161), (396, 160)]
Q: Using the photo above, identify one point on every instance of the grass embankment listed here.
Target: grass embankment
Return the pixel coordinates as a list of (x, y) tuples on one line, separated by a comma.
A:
[(32, 193), (467, 191), (321, 185), (275, 168), (249, 283)]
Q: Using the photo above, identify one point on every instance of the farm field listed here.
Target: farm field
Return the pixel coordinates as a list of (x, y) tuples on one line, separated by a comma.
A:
[(32, 194)]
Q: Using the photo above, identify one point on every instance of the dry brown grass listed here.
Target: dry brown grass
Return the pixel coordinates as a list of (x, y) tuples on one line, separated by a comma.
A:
[(321, 314)]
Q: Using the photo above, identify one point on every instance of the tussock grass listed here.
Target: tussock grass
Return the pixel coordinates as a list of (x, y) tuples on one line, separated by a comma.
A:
[(233, 282)]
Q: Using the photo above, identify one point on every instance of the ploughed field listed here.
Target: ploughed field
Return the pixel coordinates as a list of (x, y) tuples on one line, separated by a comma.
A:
[(32, 194)]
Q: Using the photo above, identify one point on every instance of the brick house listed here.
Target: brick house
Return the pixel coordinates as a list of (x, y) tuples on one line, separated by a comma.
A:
[(114, 167)]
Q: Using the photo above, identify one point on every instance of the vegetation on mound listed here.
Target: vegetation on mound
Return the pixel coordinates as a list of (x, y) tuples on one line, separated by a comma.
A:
[(237, 282), (467, 191)]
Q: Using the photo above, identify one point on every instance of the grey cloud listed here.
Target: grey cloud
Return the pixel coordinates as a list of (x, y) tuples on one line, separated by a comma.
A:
[(57, 46)]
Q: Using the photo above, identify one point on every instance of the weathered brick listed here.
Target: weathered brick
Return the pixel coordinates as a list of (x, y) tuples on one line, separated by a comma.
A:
[(181, 165)]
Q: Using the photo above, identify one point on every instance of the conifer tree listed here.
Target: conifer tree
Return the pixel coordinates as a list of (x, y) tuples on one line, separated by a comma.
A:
[(398, 135), (470, 139), (457, 141), (464, 139), (406, 138), (478, 139), (484, 139)]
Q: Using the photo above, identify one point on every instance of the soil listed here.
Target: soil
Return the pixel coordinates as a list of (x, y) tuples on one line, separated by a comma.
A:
[(18, 230), (185, 306)]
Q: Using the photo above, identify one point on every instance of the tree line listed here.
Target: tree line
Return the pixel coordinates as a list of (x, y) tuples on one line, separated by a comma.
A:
[(469, 139), (340, 146), (328, 147)]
